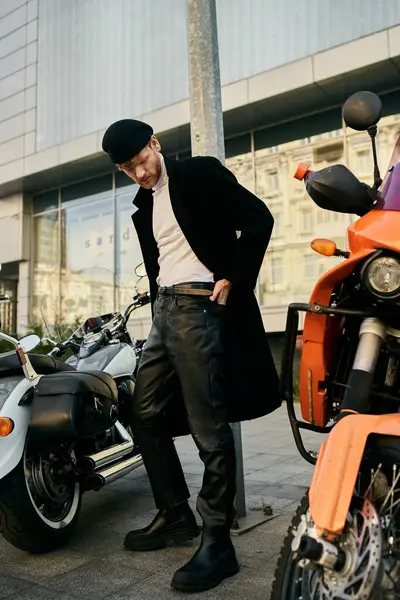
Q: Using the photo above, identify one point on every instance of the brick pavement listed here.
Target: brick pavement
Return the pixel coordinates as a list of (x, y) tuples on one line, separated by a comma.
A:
[(95, 565)]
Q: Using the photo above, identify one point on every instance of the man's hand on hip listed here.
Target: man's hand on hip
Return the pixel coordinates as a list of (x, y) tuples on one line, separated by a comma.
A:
[(221, 291)]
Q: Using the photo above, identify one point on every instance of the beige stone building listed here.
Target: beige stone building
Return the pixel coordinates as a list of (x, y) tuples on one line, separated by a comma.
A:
[(291, 267)]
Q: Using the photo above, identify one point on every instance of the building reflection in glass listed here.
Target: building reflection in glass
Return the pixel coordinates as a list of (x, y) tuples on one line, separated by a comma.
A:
[(86, 249)]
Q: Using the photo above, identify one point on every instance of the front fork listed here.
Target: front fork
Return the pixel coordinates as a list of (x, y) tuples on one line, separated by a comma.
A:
[(356, 398)]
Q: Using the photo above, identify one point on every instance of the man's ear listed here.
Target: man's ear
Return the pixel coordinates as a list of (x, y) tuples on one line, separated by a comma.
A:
[(155, 144)]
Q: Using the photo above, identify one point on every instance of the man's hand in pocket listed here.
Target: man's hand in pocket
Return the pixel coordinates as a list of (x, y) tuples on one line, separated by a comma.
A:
[(221, 291)]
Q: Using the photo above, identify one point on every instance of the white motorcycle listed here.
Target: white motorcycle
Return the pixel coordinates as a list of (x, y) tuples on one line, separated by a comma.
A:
[(64, 426)]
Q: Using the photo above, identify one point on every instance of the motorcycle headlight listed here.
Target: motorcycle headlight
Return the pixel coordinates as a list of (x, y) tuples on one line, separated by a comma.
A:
[(382, 276)]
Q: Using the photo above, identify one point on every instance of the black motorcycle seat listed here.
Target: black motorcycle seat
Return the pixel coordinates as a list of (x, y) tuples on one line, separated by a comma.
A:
[(78, 383), (43, 364)]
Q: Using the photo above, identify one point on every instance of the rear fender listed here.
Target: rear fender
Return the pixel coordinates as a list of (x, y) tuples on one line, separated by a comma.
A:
[(12, 446), (337, 467)]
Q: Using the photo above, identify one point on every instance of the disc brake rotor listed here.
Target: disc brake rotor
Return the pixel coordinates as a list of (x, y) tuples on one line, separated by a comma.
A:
[(361, 574)]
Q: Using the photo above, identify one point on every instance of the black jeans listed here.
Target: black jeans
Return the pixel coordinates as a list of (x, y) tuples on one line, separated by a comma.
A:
[(186, 338)]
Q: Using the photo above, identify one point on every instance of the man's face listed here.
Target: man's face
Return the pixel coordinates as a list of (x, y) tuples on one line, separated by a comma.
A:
[(144, 168)]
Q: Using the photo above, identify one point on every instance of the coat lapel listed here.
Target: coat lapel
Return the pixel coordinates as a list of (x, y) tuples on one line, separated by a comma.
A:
[(142, 214), (141, 197)]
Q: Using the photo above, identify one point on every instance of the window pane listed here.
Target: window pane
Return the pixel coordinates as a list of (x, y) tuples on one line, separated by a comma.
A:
[(128, 253), (301, 129), (277, 270), (278, 229), (90, 190), (128, 250), (364, 162), (272, 181), (306, 224), (86, 293), (122, 179), (238, 145), (46, 268), (46, 201), (310, 266), (267, 179), (87, 259), (241, 166)]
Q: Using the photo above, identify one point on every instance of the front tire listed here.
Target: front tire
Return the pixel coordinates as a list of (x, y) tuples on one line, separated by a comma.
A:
[(39, 504), (285, 583), (375, 530)]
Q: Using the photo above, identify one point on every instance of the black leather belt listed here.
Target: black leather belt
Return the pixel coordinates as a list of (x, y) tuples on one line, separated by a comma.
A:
[(191, 289)]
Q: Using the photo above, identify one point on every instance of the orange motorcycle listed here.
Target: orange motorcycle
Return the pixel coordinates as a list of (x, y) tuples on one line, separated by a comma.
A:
[(344, 541)]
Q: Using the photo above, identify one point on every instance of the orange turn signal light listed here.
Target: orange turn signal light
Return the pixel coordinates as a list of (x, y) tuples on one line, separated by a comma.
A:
[(324, 247), (6, 426)]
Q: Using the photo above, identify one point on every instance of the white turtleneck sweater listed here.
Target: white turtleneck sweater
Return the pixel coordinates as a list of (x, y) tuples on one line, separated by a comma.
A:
[(178, 263)]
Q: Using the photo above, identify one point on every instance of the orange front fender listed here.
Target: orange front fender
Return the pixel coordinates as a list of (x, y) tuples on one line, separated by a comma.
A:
[(337, 467)]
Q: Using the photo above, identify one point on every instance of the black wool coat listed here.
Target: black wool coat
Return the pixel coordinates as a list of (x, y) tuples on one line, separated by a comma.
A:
[(210, 206)]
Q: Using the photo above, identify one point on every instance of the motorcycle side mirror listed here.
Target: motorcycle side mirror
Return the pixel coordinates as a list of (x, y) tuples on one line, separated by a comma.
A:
[(362, 110), (140, 270), (29, 342)]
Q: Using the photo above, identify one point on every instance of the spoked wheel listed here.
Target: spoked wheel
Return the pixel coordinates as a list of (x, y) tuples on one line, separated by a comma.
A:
[(40, 501), (369, 545)]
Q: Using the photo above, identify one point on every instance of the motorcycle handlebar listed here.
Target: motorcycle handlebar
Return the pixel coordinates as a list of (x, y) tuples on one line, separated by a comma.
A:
[(142, 298), (74, 346), (138, 301), (62, 347)]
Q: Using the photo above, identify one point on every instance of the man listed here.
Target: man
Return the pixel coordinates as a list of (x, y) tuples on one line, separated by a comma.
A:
[(206, 362)]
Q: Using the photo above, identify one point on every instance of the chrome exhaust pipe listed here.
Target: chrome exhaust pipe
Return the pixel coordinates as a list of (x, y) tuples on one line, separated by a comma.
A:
[(93, 462), (98, 479)]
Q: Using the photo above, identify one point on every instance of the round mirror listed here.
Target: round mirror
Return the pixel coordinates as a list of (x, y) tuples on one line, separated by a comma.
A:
[(29, 342), (362, 110), (141, 270)]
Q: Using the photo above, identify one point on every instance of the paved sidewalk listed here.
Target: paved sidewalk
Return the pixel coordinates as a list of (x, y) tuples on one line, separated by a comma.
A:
[(96, 566)]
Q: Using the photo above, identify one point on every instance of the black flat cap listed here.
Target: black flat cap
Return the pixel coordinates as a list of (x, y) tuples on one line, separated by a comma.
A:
[(126, 138)]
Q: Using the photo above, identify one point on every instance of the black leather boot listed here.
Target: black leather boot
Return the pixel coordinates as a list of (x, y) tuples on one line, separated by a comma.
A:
[(214, 561), (173, 526)]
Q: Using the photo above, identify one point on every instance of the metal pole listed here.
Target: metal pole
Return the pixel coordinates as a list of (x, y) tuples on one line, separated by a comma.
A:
[(206, 123), (207, 132)]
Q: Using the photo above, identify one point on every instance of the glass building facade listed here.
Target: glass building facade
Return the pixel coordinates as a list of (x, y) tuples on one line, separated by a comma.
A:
[(86, 249)]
